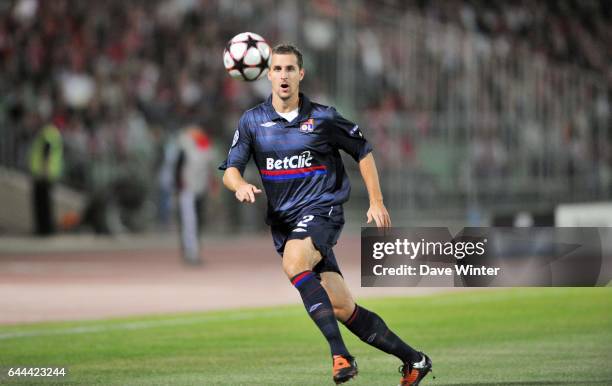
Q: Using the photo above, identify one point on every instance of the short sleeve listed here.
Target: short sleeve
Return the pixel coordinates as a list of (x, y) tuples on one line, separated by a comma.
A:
[(347, 136), (240, 150)]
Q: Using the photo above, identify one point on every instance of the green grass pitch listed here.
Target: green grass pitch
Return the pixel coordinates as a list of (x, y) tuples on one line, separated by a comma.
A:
[(500, 337)]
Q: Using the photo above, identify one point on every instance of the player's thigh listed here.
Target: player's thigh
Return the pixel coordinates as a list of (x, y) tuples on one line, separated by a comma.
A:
[(300, 256), (339, 294)]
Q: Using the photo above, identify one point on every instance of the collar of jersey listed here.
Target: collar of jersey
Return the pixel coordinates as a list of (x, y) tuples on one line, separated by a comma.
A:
[(303, 114)]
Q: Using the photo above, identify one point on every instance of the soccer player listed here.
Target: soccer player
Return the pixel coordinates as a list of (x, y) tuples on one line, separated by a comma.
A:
[(295, 144)]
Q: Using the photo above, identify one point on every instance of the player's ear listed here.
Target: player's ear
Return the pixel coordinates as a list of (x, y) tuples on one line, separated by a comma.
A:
[(270, 73), (301, 74)]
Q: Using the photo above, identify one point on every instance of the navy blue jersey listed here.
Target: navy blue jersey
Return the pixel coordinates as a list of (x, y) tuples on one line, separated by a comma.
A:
[(299, 161)]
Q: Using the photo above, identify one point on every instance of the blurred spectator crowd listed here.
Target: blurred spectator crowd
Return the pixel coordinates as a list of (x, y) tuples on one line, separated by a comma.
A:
[(118, 78), (115, 76), (567, 31), (476, 98)]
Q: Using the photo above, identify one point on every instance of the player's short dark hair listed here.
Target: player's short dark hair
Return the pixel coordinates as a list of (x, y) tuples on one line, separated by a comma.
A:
[(285, 48)]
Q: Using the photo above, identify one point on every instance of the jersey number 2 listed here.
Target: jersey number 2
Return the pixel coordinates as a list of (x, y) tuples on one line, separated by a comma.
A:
[(305, 221)]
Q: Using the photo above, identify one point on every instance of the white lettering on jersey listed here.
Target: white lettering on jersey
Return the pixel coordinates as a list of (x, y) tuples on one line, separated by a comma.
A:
[(303, 160)]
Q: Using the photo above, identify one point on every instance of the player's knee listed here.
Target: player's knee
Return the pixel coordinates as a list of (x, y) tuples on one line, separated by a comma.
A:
[(293, 265), (299, 256)]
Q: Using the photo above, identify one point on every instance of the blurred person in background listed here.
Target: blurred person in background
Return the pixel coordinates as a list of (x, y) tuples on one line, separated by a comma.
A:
[(168, 152), (46, 158), (192, 182)]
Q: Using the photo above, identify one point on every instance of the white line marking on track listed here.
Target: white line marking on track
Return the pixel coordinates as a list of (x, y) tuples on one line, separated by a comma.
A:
[(147, 324)]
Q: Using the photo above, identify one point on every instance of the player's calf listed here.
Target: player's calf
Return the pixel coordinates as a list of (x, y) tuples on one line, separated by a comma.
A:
[(320, 310), (373, 330)]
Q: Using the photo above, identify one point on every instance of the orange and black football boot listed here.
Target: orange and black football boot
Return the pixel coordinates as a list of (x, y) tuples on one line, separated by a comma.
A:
[(345, 368), (413, 373)]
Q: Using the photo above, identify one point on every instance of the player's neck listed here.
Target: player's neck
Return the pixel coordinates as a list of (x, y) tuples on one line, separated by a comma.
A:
[(285, 106)]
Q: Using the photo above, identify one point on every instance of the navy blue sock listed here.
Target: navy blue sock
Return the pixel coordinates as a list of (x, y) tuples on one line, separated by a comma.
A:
[(370, 328), (319, 308)]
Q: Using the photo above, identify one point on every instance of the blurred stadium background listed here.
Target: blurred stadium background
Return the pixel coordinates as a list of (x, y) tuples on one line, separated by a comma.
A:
[(476, 109)]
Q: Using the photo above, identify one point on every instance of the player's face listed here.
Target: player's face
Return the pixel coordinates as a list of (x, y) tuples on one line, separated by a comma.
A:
[(285, 75)]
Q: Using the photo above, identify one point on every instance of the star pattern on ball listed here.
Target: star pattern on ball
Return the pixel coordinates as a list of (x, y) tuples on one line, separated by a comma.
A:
[(252, 42), (263, 65)]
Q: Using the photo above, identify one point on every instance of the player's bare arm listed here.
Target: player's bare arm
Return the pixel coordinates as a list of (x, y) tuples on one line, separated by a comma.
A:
[(245, 192), (377, 211)]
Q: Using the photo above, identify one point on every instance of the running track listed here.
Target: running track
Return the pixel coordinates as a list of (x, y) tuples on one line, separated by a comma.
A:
[(81, 277)]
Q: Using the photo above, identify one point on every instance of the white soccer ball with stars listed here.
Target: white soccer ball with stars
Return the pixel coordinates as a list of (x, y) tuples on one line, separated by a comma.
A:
[(247, 56)]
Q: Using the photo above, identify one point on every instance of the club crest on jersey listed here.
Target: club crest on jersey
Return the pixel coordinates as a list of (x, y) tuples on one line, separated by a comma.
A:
[(307, 126)]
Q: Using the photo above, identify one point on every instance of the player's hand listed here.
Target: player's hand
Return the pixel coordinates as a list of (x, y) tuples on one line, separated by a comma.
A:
[(379, 214), (246, 193)]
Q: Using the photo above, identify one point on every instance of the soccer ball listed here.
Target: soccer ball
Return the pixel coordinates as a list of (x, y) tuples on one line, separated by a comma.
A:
[(247, 56)]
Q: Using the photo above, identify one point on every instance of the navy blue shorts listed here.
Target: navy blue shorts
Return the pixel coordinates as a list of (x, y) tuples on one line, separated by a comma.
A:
[(323, 226)]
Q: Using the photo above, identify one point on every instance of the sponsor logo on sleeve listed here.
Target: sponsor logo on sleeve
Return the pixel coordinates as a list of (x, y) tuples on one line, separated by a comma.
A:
[(236, 136), (355, 132)]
